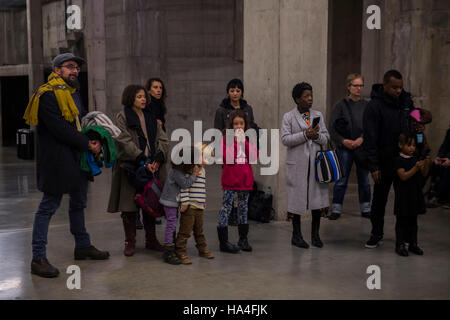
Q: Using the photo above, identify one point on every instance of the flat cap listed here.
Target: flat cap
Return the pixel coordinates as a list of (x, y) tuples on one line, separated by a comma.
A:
[(60, 59)]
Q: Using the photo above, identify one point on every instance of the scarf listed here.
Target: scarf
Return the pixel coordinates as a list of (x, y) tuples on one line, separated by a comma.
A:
[(63, 93)]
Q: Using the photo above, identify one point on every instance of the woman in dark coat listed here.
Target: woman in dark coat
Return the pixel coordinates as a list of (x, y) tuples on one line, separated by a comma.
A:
[(157, 103), (142, 141)]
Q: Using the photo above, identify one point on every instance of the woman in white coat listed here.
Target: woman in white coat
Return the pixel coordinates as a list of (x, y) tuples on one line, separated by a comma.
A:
[(303, 142)]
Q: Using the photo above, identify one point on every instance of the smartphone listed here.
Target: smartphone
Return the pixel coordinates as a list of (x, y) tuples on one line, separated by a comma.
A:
[(316, 121)]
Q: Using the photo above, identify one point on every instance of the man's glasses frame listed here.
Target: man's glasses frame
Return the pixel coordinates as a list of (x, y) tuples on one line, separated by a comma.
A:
[(71, 67)]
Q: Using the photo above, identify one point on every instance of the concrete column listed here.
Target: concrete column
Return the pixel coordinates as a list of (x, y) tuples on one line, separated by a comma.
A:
[(95, 47), (35, 51), (372, 51), (285, 42)]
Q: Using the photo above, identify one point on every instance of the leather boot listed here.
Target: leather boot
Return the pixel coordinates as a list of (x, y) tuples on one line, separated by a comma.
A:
[(151, 242), (315, 226), (90, 253), (43, 268), (129, 226), (226, 246), (297, 238), (169, 255), (243, 240)]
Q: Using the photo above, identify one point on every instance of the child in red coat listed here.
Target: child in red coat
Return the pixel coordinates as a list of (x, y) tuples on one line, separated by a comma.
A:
[(237, 178)]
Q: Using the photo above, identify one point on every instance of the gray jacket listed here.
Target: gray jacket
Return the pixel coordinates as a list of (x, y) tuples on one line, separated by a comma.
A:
[(176, 180)]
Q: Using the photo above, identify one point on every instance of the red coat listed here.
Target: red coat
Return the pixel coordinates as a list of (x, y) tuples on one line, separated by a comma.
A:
[(239, 174)]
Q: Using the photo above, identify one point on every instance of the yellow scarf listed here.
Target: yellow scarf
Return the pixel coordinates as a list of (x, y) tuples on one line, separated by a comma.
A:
[(63, 93)]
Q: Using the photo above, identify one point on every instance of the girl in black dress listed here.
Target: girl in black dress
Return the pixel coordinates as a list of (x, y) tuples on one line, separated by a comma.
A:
[(408, 194)]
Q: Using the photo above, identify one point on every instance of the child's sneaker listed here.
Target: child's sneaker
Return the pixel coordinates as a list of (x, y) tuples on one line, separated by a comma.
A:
[(206, 254), (374, 242), (414, 248), (400, 249)]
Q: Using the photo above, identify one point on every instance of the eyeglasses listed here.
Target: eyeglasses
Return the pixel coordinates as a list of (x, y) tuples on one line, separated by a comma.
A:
[(71, 67), (358, 85)]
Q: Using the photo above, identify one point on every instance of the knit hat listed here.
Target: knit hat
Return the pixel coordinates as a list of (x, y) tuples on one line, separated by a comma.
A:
[(415, 114)]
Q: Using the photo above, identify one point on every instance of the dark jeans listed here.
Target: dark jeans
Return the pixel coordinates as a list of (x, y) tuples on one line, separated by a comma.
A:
[(48, 207), (340, 187), (380, 198)]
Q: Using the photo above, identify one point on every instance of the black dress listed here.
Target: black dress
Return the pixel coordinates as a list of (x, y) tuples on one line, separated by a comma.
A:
[(408, 194)]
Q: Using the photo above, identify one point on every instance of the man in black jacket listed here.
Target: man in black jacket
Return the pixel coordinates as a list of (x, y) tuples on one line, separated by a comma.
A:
[(59, 145), (385, 117)]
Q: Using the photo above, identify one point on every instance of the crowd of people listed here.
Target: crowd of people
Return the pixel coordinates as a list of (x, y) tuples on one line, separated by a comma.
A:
[(384, 137)]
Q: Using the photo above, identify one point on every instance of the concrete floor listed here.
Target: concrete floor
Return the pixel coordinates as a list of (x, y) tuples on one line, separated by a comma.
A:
[(275, 270)]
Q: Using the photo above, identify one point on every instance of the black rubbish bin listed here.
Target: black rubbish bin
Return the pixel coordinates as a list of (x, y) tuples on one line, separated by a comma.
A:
[(25, 144)]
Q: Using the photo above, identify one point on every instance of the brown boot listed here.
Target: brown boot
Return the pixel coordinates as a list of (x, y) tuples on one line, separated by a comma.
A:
[(43, 268), (184, 258), (205, 253), (129, 226), (151, 242)]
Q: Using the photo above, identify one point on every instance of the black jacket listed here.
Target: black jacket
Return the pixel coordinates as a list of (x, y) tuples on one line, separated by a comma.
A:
[(158, 110), (59, 145), (223, 114), (444, 150), (384, 119)]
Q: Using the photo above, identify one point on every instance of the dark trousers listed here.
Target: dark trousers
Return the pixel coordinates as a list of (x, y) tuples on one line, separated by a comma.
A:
[(443, 185), (48, 207), (406, 229), (380, 198)]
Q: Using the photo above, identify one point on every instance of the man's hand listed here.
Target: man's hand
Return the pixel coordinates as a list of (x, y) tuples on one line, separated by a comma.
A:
[(376, 176), (445, 163), (438, 161), (159, 122), (183, 208), (359, 142), (95, 147)]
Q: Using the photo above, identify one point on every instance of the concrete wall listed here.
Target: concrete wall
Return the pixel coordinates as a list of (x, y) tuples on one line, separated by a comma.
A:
[(285, 42), (414, 39), (13, 38), (190, 45)]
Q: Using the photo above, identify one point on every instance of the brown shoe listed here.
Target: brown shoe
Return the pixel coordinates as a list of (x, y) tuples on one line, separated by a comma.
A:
[(184, 259), (43, 268), (206, 254), (90, 252)]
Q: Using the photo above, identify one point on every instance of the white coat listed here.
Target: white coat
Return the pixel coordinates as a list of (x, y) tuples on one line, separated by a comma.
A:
[(303, 191)]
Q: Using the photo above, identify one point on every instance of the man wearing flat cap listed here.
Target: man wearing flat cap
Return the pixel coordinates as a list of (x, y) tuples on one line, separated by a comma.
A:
[(56, 110)]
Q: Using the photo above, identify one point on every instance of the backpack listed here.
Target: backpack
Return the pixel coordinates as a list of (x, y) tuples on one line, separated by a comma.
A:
[(148, 199), (260, 206)]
